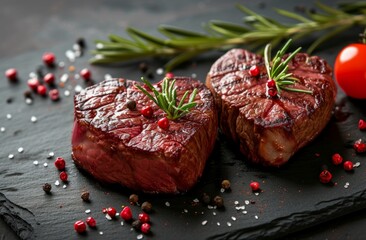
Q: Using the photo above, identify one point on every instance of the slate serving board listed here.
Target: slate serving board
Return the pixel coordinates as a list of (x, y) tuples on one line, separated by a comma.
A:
[(292, 198)]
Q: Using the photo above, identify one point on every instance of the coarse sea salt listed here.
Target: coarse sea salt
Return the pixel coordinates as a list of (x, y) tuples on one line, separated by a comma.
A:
[(57, 183), (2, 129), (33, 119), (28, 101), (11, 156), (45, 164), (8, 116), (204, 222), (167, 204), (140, 236), (35, 162), (87, 211), (229, 224)]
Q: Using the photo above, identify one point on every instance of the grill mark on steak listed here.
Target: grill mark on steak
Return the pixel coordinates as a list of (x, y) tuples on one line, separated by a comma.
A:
[(142, 156), (260, 124)]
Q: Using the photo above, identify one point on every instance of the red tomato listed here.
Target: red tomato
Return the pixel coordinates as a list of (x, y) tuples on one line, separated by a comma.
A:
[(350, 70)]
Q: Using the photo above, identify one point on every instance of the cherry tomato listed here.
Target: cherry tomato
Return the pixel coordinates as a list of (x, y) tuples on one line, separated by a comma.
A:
[(350, 70)]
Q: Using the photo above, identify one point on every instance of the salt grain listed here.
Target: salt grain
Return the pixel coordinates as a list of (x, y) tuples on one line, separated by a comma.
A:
[(45, 164), (2, 129), (140, 236), (196, 200), (194, 75), (240, 207), (11, 156), (57, 183), (233, 218), (229, 224), (8, 116), (70, 55), (67, 93), (64, 77), (204, 223), (117, 214), (64, 186), (35, 162), (256, 217), (346, 185), (210, 207), (61, 64), (78, 88), (100, 233), (50, 155), (357, 164), (244, 212), (87, 211), (20, 150), (77, 76), (32, 75), (28, 101), (185, 210), (218, 224), (214, 213), (108, 217), (222, 190), (122, 223), (236, 202), (247, 202), (107, 77), (256, 193), (167, 204), (33, 119), (159, 71)]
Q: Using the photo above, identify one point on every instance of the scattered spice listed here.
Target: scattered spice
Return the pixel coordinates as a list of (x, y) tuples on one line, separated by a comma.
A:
[(49, 59), (28, 94), (337, 159), (362, 124), (145, 228), (126, 214), (163, 123), (133, 199), (54, 95), (49, 78), (225, 184), (33, 119), (359, 146), (111, 211), (41, 90), (147, 111), (206, 199), (131, 105), (254, 71), (91, 222), (146, 207), (143, 67), (144, 217), (218, 201), (325, 176), (80, 226), (47, 188), (60, 163), (136, 224), (11, 74), (85, 196), (86, 74), (348, 166), (63, 176), (255, 186)]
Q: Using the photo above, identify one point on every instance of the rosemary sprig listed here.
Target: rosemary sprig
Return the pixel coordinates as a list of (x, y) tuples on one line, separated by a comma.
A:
[(277, 69), (166, 99), (180, 45)]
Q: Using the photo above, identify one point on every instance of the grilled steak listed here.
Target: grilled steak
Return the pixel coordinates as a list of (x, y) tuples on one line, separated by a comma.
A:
[(118, 145), (270, 130)]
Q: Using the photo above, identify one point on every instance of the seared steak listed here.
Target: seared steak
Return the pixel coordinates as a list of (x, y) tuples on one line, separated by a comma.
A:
[(270, 130), (118, 145)]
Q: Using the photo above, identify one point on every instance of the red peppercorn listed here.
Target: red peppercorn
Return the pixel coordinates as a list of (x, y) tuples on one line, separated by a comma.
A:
[(11, 74), (254, 71), (271, 83), (145, 228), (147, 111), (60, 163), (49, 78), (169, 75), (91, 222), (48, 58), (337, 159), (272, 92), (54, 94), (80, 226), (362, 124), (63, 176), (325, 176), (41, 90), (359, 146), (85, 73), (111, 211), (348, 166), (255, 186), (144, 217), (163, 123), (126, 214), (33, 83)]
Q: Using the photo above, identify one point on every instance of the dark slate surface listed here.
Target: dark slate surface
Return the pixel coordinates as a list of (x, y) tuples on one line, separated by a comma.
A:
[(292, 197)]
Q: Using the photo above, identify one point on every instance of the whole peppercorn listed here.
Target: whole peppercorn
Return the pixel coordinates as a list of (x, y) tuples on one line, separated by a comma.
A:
[(91, 222), (254, 71), (47, 188), (133, 199), (60, 163), (146, 207), (143, 67), (111, 211), (359, 146), (362, 124), (136, 224), (131, 105), (63, 176), (348, 166), (325, 176), (86, 74), (145, 228), (80, 226), (144, 217), (206, 199), (126, 214), (218, 201), (85, 196), (254, 186), (337, 159), (225, 184), (49, 59), (11, 74)]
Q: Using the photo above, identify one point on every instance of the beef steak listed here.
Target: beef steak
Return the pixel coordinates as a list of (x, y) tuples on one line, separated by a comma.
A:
[(118, 145), (270, 130)]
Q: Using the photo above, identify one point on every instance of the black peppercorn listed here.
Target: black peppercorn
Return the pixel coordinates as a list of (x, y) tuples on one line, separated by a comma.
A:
[(28, 94), (81, 43), (131, 104), (47, 187), (206, 199), (143, 67), (133, 199), (85, 196), (219, 201), (146, 207), (136, 224)]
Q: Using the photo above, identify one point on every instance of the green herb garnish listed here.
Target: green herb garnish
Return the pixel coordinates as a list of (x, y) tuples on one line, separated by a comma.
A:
[(277, 69), (180, 45), (167, 98)]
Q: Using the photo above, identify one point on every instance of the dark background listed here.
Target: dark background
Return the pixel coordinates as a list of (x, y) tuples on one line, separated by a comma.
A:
[(29, 28)]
